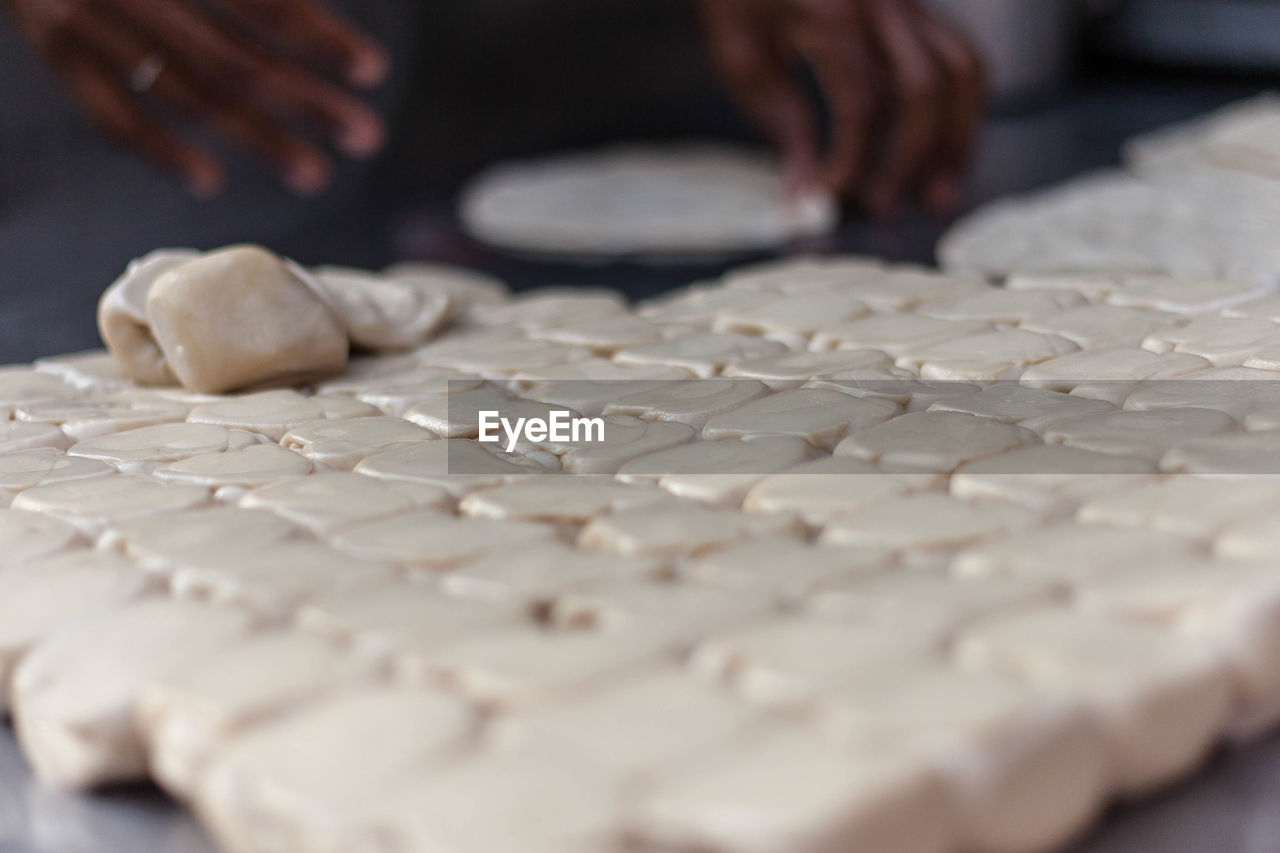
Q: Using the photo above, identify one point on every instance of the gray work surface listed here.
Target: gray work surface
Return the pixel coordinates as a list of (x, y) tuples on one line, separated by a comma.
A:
[(1230, 807)]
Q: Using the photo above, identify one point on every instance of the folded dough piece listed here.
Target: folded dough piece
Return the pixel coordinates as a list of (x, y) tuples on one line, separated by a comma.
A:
[(242, 316), (380, 312), (227, 319), (122, 317)]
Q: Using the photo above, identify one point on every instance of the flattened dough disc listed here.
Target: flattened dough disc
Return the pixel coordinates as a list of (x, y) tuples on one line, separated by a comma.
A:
[(683, 199)]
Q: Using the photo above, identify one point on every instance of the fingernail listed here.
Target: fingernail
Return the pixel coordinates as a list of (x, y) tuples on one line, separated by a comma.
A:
[(369, 68), (308, 176), (362, 138), (205, 182)]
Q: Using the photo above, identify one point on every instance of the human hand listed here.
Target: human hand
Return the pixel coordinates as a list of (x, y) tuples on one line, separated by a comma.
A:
[(903, 91), (268, 76)]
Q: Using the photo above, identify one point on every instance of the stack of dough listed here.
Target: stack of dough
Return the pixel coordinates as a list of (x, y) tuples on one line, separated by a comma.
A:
[(1201, 200), (242, 317)]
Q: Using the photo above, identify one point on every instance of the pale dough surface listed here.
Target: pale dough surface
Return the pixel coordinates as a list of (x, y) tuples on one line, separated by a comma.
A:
[(904, 570), (627, 201)]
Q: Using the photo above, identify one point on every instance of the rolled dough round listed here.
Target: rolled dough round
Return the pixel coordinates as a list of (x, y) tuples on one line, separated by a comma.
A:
[(684, 199)]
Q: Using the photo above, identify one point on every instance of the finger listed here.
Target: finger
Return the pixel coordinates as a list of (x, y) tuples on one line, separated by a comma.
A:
[(759, 75), (110, 106), (965, 99), (279, 87), (836, 52), (302, 167), (309, 29), (916, 104)]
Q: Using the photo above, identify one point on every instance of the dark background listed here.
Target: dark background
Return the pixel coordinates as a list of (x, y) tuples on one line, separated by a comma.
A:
[(477, 81)]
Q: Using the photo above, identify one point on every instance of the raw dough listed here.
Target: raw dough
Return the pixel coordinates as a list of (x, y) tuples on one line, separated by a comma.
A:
[(689, 531), (274, 581), (25, 469), (1162, 701), (239, 317), (1031, 408), (608, 335), (123, 321), (453, 465), (1222, 341), (1069, 551), (395, 619), (820, 418), (273, 782), (704, 355), (343, 444), (1188, 505), (73, 694), (718, 472), (933, 441), (784, 372), (17, 436), (643, 724), (625, 438), (1118, 364), (550, 307), (1146, 435), (785, 568), (269, 413), (28, 536), (325, 502), (431, 540), (163, 542), (691, 199), (827, 488), (382, 313), (83, 420), (465, 287), (187, 716), (564, 500), (787, 790), (693, 402), (536, 573), (895, 334), (792, 320), (139, 450), (952, 523), (92, 505), (1017, 347), (1021, 772), (1049, 478), (1097, 326), (54, 593)]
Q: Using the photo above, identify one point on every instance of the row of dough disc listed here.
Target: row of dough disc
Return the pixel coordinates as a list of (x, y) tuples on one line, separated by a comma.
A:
[(869, 558)]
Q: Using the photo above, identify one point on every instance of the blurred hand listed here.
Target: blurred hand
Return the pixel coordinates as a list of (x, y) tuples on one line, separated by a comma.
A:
[(903, 92), (269, 76)]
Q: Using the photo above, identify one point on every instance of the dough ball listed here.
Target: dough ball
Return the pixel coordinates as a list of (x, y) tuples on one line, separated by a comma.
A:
[(122, 317), (242, 317)]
